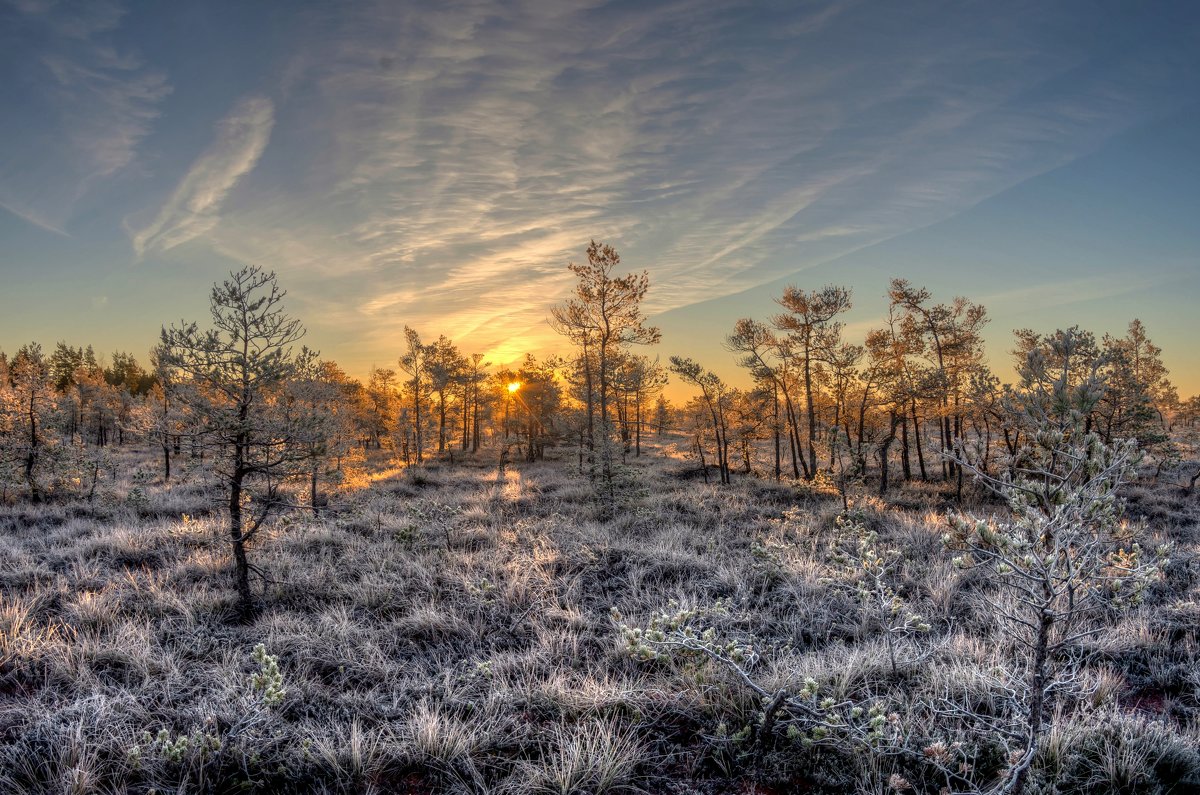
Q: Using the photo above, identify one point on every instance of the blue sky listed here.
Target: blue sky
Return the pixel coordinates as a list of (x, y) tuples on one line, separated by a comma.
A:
[(438, 164)]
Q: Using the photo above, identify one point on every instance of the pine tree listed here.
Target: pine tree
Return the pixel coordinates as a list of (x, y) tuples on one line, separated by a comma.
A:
[(603, 317), (28, 405), (1064, 555), (231, 377)]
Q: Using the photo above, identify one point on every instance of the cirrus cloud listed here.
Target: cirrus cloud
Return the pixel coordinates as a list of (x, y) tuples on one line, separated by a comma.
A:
[(194, 206)]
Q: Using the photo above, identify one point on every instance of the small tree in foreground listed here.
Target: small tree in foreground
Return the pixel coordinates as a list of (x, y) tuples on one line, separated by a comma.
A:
[(1065, 556), (231, 378)]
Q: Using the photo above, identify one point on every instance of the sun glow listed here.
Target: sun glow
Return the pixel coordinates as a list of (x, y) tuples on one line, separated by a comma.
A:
[(514, 386)]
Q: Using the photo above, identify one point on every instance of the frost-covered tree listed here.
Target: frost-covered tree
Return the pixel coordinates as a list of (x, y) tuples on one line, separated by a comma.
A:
[(377, 419), (814, 334), (603, 317), (1063, 555), (444, 367), (415, 363), (231, 377), (951, 336), (319, 406), (1135, 404), (636, 379), (27, 412), (716, 398), (769, 359)]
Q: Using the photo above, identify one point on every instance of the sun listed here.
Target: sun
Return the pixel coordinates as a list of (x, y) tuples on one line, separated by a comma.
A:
[(514, 386)]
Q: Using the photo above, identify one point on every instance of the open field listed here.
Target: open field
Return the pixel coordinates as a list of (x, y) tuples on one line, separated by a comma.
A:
[(455, 629)]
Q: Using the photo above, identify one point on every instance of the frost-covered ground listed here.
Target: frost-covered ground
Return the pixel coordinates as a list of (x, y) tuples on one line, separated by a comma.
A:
[(457, 629)]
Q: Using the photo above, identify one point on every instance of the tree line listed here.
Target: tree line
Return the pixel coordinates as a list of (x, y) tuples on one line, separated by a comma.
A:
[(916, 393), (905, 397)]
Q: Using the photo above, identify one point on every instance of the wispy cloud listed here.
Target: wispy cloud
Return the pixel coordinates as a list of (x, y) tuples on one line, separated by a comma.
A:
[(445, 160), (194, 207), (1032, 300), (86, 108)]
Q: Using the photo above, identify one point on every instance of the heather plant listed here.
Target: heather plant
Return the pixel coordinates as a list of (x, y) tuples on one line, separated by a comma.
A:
[(193, 749), (868, 568), (808, 714), (266, 684)]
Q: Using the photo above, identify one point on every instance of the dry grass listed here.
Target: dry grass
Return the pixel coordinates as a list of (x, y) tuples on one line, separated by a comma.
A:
[(450, 630)]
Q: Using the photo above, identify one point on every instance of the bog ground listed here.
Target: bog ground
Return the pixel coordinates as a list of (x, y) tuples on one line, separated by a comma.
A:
[(459, 629)]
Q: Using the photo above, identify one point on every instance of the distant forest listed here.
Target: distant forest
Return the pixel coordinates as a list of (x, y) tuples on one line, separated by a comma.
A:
[(902, 403)]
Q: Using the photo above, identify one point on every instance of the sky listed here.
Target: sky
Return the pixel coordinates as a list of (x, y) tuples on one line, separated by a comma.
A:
[(438, 164)]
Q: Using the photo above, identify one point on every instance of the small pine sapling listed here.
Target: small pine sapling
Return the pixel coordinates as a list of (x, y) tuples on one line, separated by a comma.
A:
[(1064, 553)]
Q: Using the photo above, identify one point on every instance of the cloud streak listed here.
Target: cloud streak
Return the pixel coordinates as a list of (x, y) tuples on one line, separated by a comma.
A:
[(471, 152), (437, 164), (87, 102), (194, 207)]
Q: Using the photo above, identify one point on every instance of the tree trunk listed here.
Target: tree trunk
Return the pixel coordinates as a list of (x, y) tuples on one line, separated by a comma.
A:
[(591, 408), (812, 416), (638, 430), (417, 414), (475, 417), (241, 566), (441, 421), (917, 438), (725, 453), (606, 453), (1037, 699), (788, 428), (884, 447), (35, 492), (775, 427)]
